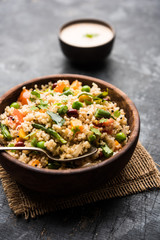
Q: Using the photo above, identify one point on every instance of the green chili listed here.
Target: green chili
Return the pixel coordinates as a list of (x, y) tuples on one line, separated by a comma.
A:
[(107, 151), (5, 132), (50, 131), (100, 113)]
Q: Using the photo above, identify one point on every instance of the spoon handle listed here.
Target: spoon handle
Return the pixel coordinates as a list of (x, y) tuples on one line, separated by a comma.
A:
[(91, 152), (19, 148)]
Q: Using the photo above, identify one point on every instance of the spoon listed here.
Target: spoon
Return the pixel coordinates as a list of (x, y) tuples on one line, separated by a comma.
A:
[(91, 151)]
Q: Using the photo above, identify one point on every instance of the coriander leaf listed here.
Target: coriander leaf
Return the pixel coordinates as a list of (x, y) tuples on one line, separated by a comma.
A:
[(32, 99), (35, 93), (64, 101), (56, 118), (43, 104), (96, 131), (89, 35), (103, 120), (117, 113), (75, 129), (103, 94), (34, 108)]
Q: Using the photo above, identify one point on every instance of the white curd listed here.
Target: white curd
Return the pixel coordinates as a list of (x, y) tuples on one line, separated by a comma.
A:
[(86, 34)]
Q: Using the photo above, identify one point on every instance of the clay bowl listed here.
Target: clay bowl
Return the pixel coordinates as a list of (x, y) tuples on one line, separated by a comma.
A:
[(86, 55), (67, 182)]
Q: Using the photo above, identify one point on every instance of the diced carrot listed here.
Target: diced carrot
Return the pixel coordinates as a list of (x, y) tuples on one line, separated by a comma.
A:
[(85, 97), (77, 125), (22, 134), (76, 122), (60, 86), (116, 142), (107, 126), (77, 129), (18, 139), (42, 110), (117, 145), (24, 96), (108, 123), (11, 122), (76, 92), (34, 163), (19, 116), (81, 128), (76, 84)]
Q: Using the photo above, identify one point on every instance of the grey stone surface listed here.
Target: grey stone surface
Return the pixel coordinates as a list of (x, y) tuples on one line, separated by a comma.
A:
[(29, 48)]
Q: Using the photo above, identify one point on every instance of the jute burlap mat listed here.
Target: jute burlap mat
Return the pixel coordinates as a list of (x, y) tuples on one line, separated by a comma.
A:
[(140, 174)]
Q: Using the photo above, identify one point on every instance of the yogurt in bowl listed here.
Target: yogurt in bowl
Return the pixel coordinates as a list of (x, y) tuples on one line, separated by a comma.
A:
[(86, 41), (86, 34)]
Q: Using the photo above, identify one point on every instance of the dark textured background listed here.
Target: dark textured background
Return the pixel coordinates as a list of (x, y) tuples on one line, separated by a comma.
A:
[(29, 48)]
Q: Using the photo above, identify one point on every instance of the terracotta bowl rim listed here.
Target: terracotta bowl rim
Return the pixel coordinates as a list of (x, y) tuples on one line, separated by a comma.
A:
[(132, 139), (91, 20)]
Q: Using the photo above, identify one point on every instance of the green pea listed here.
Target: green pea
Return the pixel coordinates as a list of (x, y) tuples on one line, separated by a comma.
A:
[(53, 165), (62, 110), (92, 138), (15, 105), (102, 113), (120, 137), (77, 105), (85, 88), (41, 144), (34, 142)]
